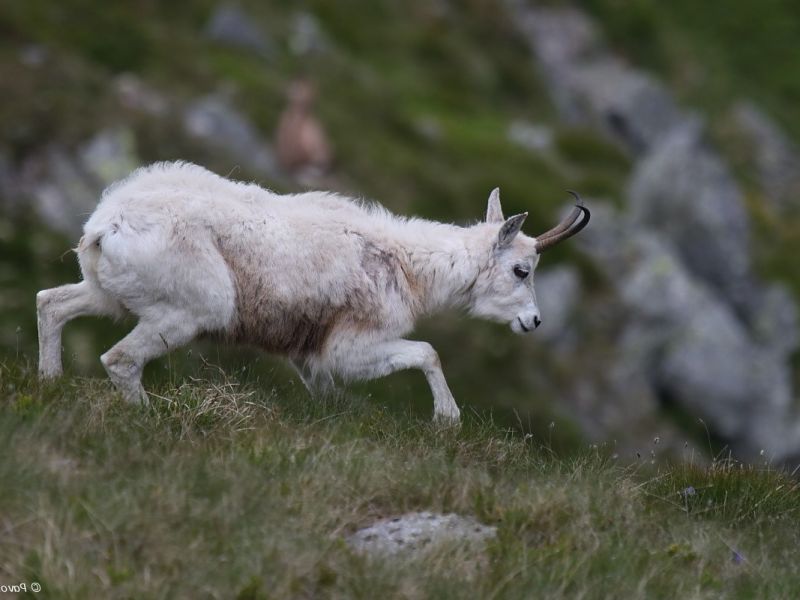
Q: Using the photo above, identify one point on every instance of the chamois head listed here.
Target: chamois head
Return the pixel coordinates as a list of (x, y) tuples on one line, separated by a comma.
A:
[(504, 291)]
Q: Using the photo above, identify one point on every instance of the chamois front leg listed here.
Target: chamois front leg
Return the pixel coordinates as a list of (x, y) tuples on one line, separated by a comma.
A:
[(388, 357)]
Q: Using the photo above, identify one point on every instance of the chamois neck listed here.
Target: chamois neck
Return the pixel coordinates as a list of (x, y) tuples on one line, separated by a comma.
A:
[(446, 261)]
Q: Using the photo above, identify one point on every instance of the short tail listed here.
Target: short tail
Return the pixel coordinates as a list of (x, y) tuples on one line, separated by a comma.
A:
[(89, 250)]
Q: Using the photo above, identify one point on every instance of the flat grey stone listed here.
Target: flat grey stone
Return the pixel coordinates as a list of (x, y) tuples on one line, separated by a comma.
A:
[(419, 531)]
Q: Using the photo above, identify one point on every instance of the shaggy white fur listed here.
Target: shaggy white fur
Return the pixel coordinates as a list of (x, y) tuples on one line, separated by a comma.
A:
[(331, 283)]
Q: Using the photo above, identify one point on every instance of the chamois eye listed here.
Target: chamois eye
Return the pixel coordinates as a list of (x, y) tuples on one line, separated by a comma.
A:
[(521, 272)]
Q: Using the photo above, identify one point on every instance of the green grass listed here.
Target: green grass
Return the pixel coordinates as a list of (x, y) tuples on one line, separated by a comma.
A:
[(228, 490)]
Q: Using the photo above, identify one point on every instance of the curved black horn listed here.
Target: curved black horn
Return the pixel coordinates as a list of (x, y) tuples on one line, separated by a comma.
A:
[(567, 228)]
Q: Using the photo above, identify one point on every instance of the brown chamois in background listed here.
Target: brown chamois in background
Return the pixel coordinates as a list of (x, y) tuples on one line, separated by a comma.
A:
[(301, 144)]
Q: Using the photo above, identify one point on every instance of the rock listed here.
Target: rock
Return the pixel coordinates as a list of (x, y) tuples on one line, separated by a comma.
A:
[(110, 155), (306, 35), (64, 197), (685, 192), (429, 128), (712, 369), (703, 359), (34, 55), (700, 330), (689, 343), (231, 26), (135, 94), (775, 321), (419, 531), (680, 187), (632, 416), (630, 106), (606, 238), (214, 121), (590, 86), (559, 38), (774, 154), (558, 291), (530, 136), (657, 285), (64, 187)]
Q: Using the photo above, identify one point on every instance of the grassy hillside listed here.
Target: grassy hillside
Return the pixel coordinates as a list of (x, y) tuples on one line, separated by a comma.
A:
[(224, 489)]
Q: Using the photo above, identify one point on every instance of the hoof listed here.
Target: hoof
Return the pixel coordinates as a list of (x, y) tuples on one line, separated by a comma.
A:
[(140, 398), (447, 420), (49, 374)]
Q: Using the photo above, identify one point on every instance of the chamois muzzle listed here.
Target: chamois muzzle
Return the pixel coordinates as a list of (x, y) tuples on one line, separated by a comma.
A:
[(567, 228)]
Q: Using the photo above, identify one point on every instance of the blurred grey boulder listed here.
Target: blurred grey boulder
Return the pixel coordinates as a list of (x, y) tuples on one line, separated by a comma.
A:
[(588, 85), (306, 35), (559, 38), (135, 94), (712, 368), (558, 291), (617, 401), (775, 156), (34, 55), (704, 332), (685, 192), (219, 125), (429, 128), (64, 187), (110, 155), (530, 136), (630, 106), (231, 26), (695, 351), (64, 197), (701, 356), (680, 187), (775, 322)]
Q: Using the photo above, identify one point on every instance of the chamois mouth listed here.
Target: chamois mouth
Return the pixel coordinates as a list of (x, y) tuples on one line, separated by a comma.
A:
[(521, 324)]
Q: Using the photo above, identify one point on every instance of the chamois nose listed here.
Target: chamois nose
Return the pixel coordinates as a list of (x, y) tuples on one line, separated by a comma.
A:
[(536, 322)]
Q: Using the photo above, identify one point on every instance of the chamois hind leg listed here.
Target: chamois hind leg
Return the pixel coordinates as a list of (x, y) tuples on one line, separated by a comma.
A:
[(55, 307), (388, 357), (152, 337), (317, 384)]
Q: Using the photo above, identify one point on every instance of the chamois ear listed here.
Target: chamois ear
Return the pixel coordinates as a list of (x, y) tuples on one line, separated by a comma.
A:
[(494, 213), (510, 229)]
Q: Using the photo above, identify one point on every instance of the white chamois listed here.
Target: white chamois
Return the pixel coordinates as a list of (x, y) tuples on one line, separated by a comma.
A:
[(328, 282)]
